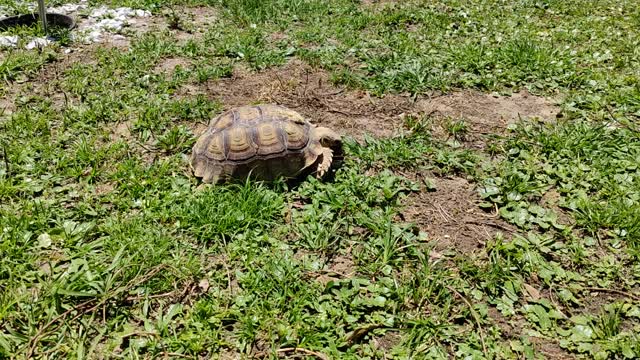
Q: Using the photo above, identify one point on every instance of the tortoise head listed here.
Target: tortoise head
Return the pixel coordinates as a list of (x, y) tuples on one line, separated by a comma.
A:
[(328, 138)]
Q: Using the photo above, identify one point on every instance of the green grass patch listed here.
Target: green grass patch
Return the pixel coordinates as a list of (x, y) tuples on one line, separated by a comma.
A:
[(110, 246)]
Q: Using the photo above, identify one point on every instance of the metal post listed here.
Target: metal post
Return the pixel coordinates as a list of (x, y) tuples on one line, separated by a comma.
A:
[(43, 16)]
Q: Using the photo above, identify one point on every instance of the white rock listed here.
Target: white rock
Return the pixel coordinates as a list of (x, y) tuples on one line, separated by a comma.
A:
[(110, 24), (95, 36), (99, 12), (142, 13), (68, 8), (104, 21), (37, 43), (8, 41)]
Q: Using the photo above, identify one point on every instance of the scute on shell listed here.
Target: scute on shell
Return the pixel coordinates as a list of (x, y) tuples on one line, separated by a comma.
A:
[(269, 139)]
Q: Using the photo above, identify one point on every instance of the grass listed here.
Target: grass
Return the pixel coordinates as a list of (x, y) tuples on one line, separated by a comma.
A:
[(110, 247)]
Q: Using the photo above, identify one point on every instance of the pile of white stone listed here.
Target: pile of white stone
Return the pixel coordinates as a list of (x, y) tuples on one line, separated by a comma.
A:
[(92, 25)]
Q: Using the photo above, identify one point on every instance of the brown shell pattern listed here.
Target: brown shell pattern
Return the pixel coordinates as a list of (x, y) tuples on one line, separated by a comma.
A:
[(296, 136), (247, 132), (216, 148), (269, 139), (240, 146)]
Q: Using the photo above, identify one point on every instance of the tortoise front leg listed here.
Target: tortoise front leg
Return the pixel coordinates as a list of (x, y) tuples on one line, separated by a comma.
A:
[(326, 158)]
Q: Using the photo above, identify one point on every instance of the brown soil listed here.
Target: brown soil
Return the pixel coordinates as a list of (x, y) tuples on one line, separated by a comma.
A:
[(551, 200), (514, 329), (168, 66), (486, 114), (492, 111), (594, 301), (121, 131), (550, 349), (228, 355), (340, 267), (378, 2), (104, 188), (451, 218), (198, 20), (387, 341), (309, 91), (354, 112), (6, 108)]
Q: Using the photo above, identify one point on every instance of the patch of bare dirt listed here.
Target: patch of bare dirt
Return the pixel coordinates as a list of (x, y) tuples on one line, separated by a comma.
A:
[(485, 113), (121, 131), (378, 2), (594, 300), (515, 328), (340, 267), (451, 218), (6, 107), (192, 22), (551, 200), (510, 328), (168, 66), (104, 188), (550, 349), (277, 37), (228, 355), (310, 92), (387, 341)]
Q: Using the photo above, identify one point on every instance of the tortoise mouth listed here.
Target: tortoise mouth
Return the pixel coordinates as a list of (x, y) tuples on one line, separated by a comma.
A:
[(338, 153), (333, 144), (336, 149)]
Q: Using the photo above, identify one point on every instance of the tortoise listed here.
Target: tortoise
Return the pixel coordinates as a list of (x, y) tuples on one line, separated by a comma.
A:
[(265, 142)]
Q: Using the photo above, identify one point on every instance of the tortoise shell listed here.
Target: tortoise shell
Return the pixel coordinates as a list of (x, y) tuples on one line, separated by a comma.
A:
[(263, 141)]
